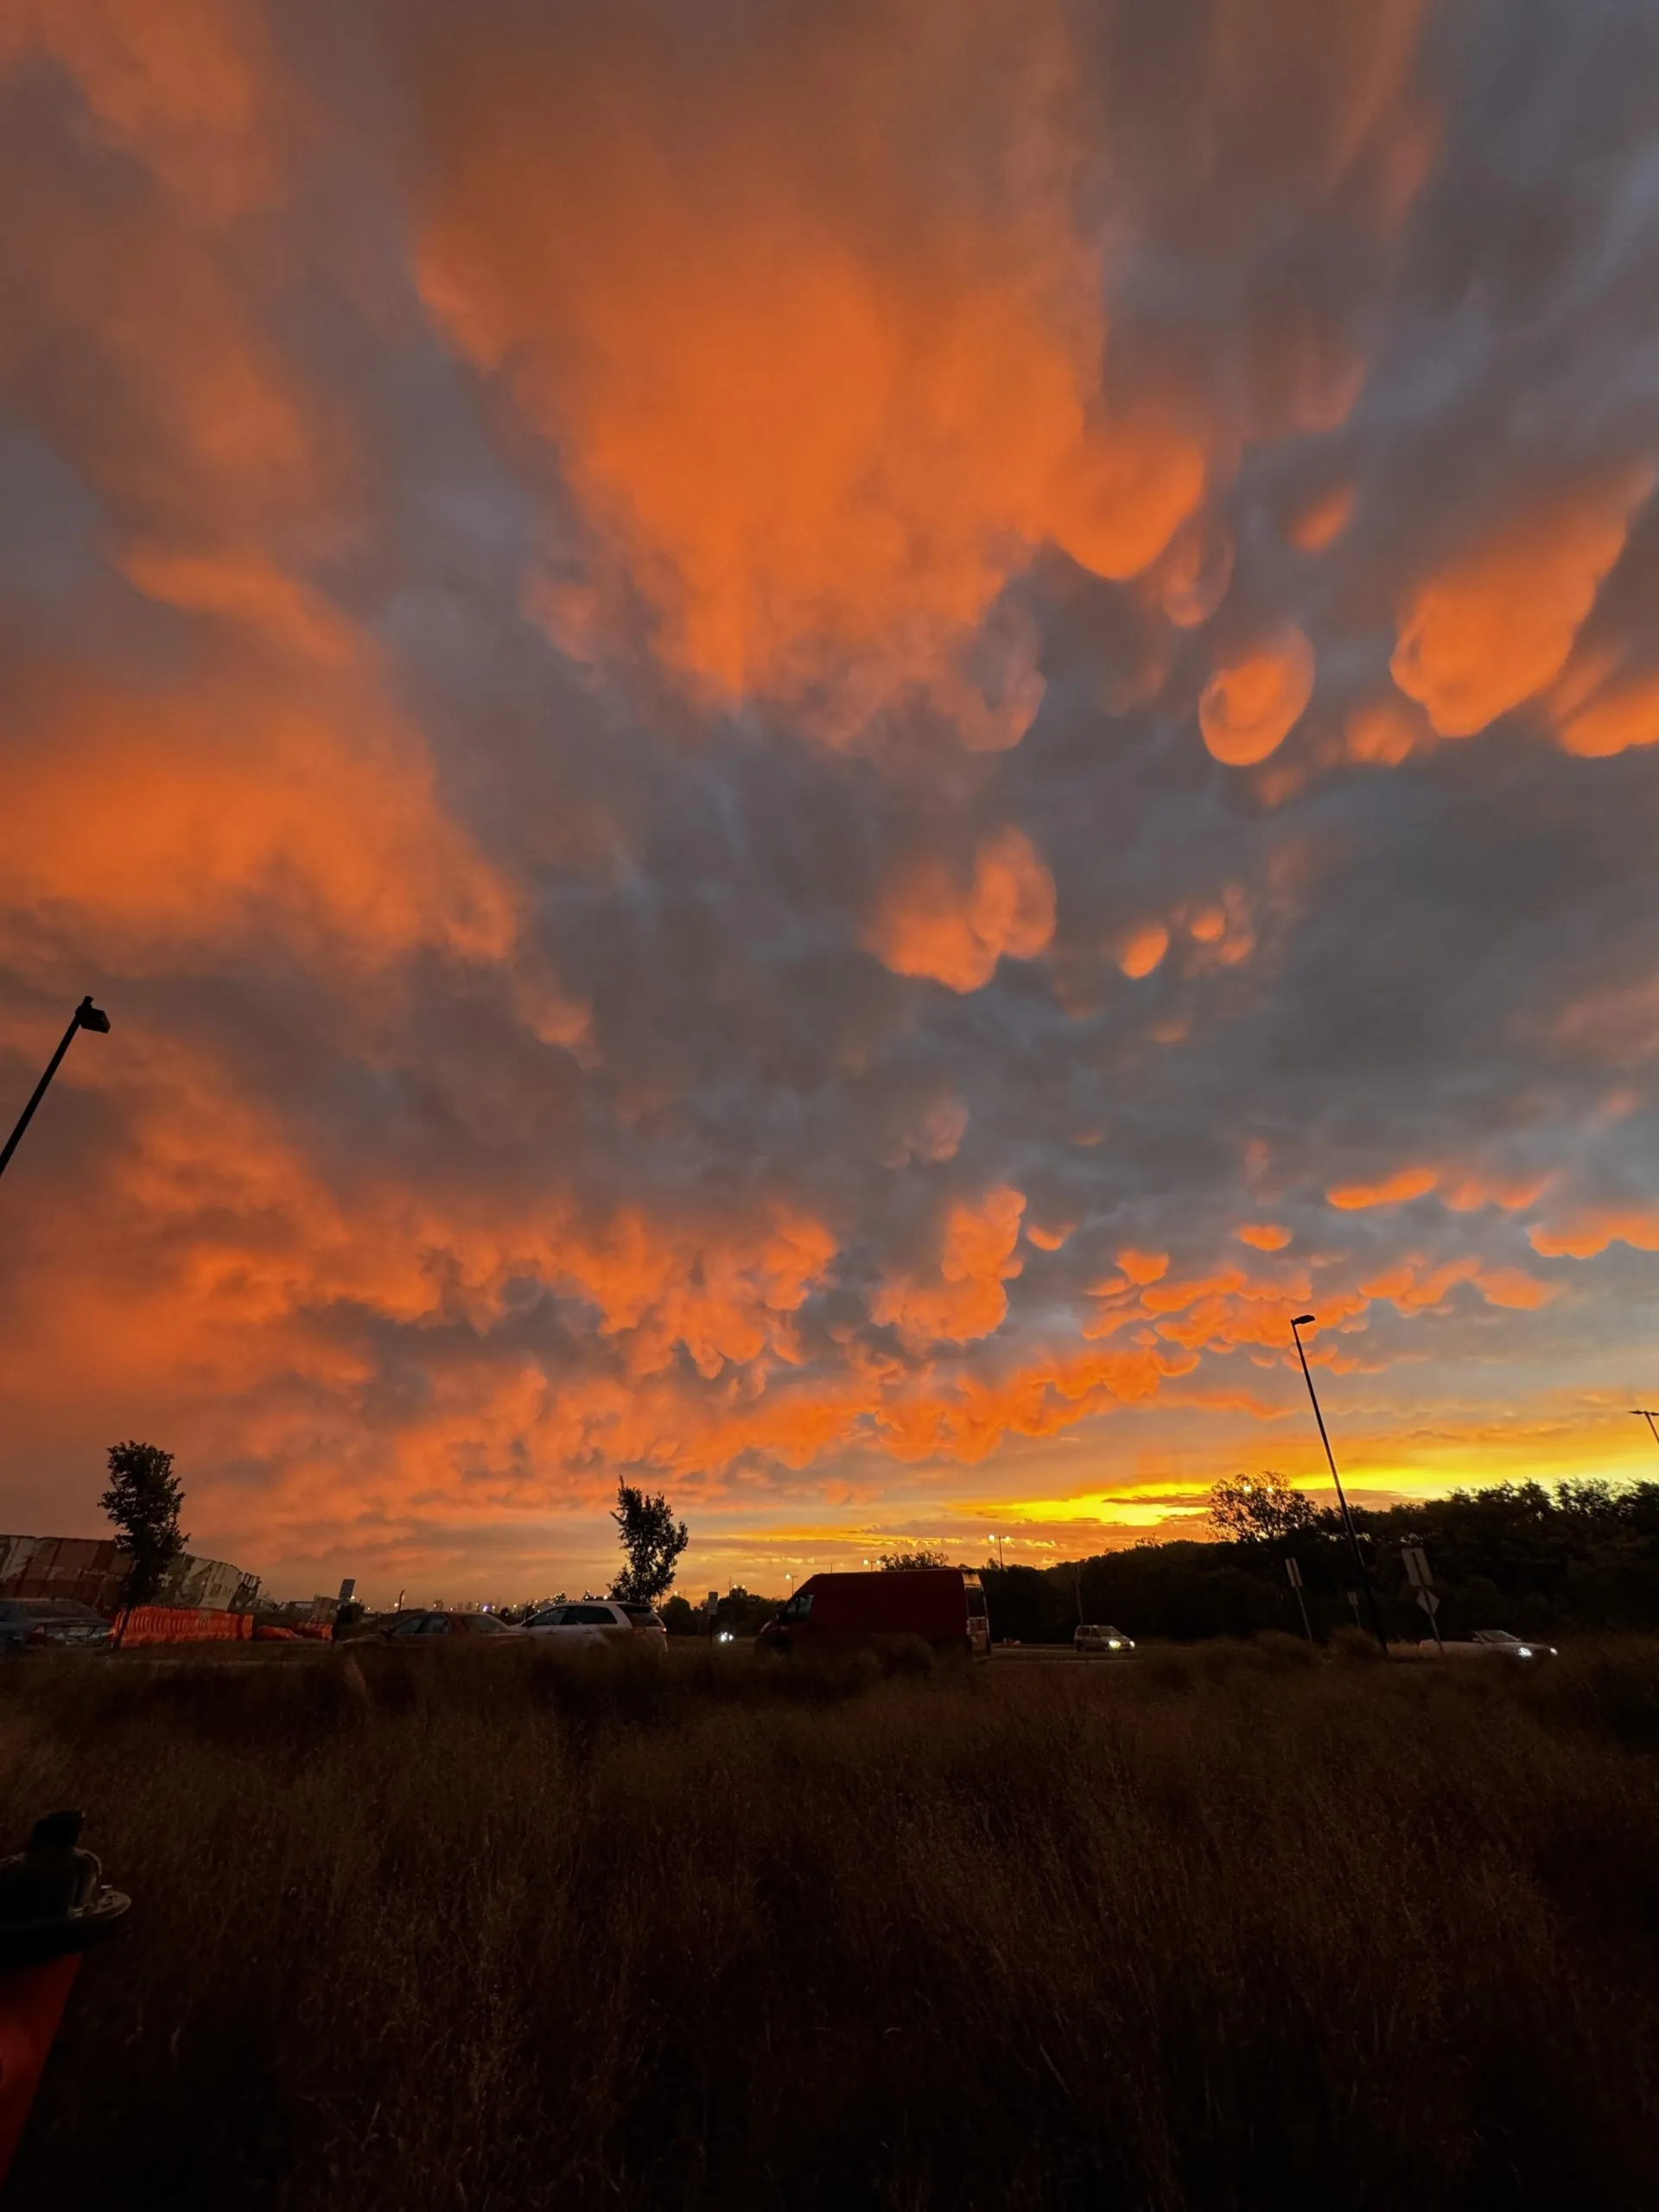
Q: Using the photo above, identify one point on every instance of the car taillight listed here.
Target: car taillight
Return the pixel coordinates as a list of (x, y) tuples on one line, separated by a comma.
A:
[(38, 1635)]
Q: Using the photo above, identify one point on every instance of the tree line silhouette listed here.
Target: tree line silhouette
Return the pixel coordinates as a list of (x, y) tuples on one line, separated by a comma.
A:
[(1583, 1555)]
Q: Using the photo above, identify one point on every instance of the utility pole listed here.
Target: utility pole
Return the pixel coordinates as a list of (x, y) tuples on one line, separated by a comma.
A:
[(1305, 1321), (86, 1016), (1642, 1413), (1293, 1576)]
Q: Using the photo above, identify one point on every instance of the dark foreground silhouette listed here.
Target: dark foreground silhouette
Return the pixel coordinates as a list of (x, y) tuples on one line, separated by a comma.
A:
[(492, 1929)]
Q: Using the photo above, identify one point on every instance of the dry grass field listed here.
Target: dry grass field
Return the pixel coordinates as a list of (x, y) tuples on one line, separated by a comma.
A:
[(489, 1929)]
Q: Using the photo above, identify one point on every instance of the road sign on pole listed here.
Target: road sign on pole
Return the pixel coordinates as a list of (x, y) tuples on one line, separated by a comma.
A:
[(1420, 1577)]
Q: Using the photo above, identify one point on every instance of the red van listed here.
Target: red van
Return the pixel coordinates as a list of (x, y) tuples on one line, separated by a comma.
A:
[(941, 1606)]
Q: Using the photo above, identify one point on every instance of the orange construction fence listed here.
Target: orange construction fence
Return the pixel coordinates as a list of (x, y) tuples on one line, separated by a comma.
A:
[(182, 1625)]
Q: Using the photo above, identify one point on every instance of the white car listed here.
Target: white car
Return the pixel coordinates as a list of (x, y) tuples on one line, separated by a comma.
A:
[(1091, 1637), (1491, 1643), (599, 1620)]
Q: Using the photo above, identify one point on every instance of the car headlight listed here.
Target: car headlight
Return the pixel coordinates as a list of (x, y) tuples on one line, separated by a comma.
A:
[(1115, 1643), (1525, 1651)]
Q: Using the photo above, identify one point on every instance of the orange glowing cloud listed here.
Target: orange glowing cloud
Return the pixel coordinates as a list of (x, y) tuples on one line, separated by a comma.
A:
[(1322, 521), (1383, 733), (1118, 496), (966, 1300), (1225, 1311), (1143, 949), (927, 924), (303, 812), (252, 1259), (1265, 1236), (818, 400), (1249, 709), (246, 590), (855, 380), (1394, 1190), (1052, 1239), (1195, 572), (1466, 1190), (189, 86), (1620, 717), (1411, 1287), (1492, 630), (1587, 1232)]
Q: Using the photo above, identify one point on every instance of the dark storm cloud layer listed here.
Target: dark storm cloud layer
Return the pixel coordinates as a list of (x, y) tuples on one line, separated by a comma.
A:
[(834, 733)]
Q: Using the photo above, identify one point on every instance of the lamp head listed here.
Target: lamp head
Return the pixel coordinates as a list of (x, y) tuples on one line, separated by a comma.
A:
[(89, 1016), (1302, 1321)]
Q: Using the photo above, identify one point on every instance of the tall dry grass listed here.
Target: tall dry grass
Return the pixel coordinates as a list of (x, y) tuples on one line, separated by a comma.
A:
[(488, 1929)]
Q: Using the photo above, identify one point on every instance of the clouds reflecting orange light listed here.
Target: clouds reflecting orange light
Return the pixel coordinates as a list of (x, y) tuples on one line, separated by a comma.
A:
[(752, 721)]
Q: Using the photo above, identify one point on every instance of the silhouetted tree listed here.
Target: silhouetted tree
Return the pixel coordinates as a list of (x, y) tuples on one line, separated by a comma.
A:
[(743, 1612), (900, 1562), (1030, 1605), (143, 1500), (1261, 1508), (651, 1542)]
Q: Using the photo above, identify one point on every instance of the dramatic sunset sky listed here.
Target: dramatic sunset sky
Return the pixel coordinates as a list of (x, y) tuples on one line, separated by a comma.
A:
[(806, 748)]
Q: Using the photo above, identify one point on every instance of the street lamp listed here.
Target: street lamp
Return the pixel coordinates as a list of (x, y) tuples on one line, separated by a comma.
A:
[(1642, 1413), (86, 1016), (1305, 1321)]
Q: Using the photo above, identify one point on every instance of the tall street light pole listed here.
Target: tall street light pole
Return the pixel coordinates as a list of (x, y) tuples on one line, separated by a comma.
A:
[(86, 1016), (1642, 1413), (1305, 1321)]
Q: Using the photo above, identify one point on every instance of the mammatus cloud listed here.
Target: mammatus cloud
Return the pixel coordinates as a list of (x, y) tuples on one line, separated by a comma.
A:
[(926, 924), (807, 321), (1497, 627), (803, 750), (1250, 707)]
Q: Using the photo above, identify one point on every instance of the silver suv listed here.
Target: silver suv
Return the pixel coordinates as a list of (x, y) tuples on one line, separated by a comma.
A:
[(599, 1620), (1092, 1640)]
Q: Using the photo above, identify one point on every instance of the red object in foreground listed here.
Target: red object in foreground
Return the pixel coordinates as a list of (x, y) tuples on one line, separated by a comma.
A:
[(941, 1606), (181, 1625), (53, 1902), (32, 2000)]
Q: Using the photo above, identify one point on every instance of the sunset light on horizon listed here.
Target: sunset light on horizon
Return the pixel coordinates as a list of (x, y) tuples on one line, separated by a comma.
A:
[(806, 753)]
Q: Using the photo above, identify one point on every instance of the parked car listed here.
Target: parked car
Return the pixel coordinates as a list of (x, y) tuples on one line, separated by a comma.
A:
[(600, 1620), (42, 1624), (1092, 1639), (1490, 1643), (941, 1606), (423, 1624)]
